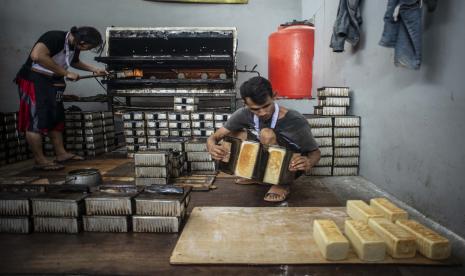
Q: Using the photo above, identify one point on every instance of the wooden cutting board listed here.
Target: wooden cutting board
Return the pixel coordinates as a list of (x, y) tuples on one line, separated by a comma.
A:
[(262, 235)]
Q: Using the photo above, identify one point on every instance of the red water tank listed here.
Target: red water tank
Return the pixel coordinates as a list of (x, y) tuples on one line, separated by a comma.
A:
[(290, 61)]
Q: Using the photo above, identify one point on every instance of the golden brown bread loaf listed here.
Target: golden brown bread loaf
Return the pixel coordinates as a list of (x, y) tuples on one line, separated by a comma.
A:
[(274, 165), (247, 158)]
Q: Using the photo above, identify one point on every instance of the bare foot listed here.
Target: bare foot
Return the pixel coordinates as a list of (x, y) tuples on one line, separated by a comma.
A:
[(68, 157), (277, 193)]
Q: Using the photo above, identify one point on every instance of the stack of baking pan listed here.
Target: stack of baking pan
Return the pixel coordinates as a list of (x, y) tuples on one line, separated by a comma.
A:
[(203, 124), (13, 146), (157, 127), (134, 132), (58, 212), (93, 133), (198, 158), (179, 124), (160, 208), (109, 209), (221, 118), (322, 130), (332, 101), (108, 125), (74, 135), (14, 212), (153, 167), (346, 145), (185, 104)]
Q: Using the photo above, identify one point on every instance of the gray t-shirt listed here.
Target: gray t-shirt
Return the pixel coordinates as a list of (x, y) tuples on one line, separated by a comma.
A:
[(292, 131)]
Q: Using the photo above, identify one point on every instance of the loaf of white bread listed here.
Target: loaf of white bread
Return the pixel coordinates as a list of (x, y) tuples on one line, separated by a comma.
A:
[(359, 210), (365, 242), (329, 239), (388, 209), (247, 158), (400, 243), (274, 165), (429, 243)]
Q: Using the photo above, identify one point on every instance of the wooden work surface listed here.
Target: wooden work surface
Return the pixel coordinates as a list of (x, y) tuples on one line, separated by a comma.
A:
[(244, 235), (149, 254)]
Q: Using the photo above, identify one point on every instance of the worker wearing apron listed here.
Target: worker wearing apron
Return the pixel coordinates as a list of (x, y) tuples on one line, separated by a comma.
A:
[(264, 120), (41, 83)]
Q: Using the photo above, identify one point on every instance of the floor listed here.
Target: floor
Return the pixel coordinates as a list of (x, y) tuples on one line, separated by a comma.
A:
[(148, 254)]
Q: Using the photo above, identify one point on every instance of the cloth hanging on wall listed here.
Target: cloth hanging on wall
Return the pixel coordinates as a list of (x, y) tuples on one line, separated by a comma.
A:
[(347, 25), (403, 30)]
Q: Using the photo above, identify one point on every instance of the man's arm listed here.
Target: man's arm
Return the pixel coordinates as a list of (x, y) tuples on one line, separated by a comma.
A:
[(40, 54), (88, 67), (217, 151)]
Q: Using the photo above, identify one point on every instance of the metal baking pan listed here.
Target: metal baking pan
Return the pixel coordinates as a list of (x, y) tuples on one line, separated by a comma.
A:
[(276, 170), (205, 116), (93, 131), (55, 204), (180, 132), (92, 124), (134, 124), (203, 132), (345, 171), (203, 124), (174, 143), (108, 122), (347, 142), (202, 166), (346, 161), (158, 132), (17, 225), (325, 161), (109, 203), (228, 163), (148, 224), (152, 158), (147, 181), (15, 204), (57, 225), (322, 132), (115, 224), (92, 116), (178, 116), (93, 138), (198, 156), (196, 145), (184, 107), (346, 152), (326, 151), (346, 132), (333, 92), (153, 203), (108, 128), (158, 172), (179, 125), (156, 116), (223, 117), (157, 124)]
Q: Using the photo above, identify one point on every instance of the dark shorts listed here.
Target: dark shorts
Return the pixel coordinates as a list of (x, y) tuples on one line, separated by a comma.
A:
[(41, 103)]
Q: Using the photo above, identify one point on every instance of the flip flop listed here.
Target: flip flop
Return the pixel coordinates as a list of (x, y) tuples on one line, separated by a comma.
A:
[(275, 196), (49, 167), (72, 157)]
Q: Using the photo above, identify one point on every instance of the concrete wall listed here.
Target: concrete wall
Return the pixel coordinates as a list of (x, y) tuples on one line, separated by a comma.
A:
[(412, 121), (23, 21)]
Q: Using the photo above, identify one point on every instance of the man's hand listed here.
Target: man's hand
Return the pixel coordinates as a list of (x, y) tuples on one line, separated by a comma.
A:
[(100, 71), (218, 152), (300, 163), (72, 76)]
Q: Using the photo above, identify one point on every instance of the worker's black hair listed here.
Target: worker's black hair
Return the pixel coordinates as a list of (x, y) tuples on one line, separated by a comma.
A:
[(257, 89), (88, 35)]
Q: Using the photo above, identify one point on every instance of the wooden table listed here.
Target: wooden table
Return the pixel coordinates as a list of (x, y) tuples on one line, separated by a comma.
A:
[(148, 254)]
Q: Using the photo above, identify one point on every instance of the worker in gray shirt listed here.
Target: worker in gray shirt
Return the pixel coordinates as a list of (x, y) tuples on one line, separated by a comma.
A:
[(263, 120)]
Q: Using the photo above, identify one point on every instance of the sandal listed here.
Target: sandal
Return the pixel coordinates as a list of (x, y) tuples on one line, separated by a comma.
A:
[(72, 157), (49, 167), (245, 181), (277, 193)]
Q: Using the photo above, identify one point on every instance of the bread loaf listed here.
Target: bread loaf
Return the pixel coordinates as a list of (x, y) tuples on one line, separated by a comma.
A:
[(247, 159)]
